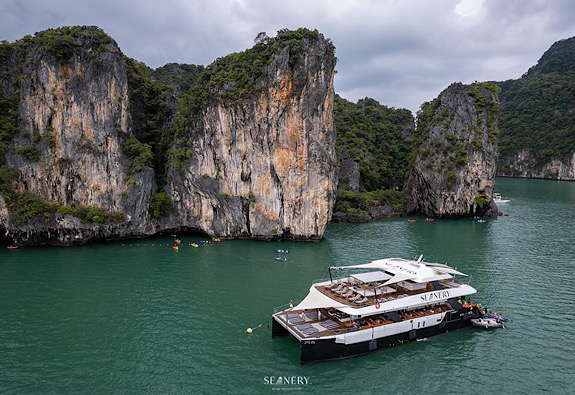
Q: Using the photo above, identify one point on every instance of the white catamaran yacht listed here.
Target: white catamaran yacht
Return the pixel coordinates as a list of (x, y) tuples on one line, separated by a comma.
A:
[(374, 306)]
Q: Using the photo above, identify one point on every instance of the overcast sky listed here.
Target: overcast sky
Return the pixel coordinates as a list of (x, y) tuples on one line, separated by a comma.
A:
[(399, 52)]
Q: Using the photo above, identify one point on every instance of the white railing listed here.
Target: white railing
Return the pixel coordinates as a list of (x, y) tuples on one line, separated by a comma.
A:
[(321, 280)]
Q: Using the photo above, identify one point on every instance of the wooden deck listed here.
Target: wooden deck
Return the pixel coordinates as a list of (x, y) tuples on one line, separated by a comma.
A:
[(343, 324), (371, 300)]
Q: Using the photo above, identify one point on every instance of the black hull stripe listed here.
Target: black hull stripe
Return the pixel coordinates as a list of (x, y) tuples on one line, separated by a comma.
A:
[(318, 350)]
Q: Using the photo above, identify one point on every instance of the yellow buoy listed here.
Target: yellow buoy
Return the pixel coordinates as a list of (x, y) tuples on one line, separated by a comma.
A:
[(249, 330)]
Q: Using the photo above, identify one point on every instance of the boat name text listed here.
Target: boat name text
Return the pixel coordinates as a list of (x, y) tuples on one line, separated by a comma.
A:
[(286, 380), (435, 295)]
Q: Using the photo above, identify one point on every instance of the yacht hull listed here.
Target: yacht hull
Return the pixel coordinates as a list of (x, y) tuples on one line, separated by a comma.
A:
[(318, 349)]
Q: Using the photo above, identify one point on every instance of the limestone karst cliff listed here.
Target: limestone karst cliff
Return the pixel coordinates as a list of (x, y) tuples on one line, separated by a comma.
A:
[(263, 164), (83, 158), (70, 92), (525, 164), (455, 152)]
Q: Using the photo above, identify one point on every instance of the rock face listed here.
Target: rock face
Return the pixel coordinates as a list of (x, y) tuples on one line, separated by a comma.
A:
[(349, 176), (264, 167), (524, 164), (454, 167), (74, 112)]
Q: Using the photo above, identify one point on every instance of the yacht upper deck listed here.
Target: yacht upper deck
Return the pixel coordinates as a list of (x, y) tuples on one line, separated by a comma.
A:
[(356, 294), (391, 284)]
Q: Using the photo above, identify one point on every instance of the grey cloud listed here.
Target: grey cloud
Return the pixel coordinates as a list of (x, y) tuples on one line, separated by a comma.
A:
[(401, 53)]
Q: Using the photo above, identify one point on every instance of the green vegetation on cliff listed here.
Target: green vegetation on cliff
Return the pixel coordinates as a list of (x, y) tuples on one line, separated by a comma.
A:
[(180, 77), (8, 123), (537, 109), (140, 154), (359, 203), (27, 208), (378, 139), (64, 42), (151, 138), (486, 100), (240, 75), (449, 150), (161, 205), (29, 152), (12, 60)]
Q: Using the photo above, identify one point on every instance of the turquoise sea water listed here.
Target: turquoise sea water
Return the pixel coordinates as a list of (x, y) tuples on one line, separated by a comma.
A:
[(137, 317)]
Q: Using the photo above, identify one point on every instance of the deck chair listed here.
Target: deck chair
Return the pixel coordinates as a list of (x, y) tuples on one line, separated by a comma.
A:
[(354, 298)]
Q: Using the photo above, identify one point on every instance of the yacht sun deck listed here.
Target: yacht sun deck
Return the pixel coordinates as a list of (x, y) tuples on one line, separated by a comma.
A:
[(321, 323)]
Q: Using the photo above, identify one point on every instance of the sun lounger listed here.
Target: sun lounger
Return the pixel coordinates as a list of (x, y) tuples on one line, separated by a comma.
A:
[(312, 315), (329, 324), (309, 331), (361, 301), (294, 318), (354, 298)]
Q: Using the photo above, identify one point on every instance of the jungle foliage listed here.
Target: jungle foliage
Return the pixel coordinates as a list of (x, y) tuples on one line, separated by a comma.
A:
[(28, 208), (379, 140), (161, 205), (537, 109), (378, 137), (64, 42), (180, 77), (359, 203), (151, 140)]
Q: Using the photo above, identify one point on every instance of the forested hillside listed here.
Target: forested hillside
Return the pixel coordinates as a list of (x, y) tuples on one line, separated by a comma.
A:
[(537, 110), (373, 145)]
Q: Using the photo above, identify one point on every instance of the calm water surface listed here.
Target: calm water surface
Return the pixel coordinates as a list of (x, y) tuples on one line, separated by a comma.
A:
[(137, 317)]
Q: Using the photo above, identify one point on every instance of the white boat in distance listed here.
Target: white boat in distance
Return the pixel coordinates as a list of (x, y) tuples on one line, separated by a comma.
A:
[(497, 199), (394, 302)]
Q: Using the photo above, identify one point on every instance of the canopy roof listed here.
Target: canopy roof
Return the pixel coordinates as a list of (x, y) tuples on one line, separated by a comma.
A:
[(397, 278), (392, 270), (371, 277), (403, 269), (316, 300)]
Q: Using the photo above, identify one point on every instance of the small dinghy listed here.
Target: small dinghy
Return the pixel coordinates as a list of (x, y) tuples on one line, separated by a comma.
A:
[(487, 323)]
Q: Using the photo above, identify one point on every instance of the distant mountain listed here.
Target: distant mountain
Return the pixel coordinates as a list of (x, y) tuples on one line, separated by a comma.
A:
[(537, 120), (179, 76)]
